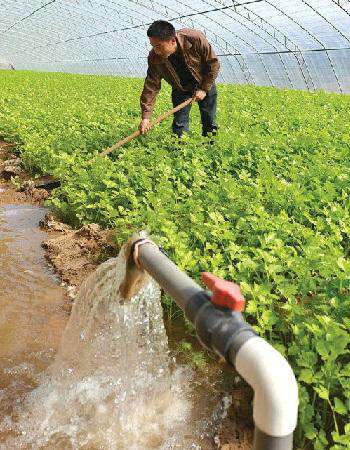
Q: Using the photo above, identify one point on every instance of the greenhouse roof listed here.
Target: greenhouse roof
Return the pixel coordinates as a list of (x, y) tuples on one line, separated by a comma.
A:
[(300, 44)]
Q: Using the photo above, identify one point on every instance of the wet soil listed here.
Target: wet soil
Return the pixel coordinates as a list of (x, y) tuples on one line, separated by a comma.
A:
[(74, 254), (10, 167)]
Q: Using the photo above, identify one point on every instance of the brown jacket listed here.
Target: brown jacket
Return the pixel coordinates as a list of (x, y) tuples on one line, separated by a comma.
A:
[(199, 57)]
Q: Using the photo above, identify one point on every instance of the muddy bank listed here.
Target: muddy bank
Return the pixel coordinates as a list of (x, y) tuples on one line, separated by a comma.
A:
[(10, 167), (74, 254)]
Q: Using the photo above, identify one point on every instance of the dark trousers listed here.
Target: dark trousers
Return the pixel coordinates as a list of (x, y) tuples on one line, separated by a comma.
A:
[(207, 108)]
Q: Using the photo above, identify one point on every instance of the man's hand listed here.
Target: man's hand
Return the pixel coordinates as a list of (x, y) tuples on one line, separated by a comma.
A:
[(199, 95), (145, 125)]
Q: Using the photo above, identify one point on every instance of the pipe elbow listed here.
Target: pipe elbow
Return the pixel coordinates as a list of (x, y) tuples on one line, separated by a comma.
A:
[(275, 407)]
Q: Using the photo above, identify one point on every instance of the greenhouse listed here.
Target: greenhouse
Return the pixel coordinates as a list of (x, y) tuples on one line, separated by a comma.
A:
[(299, 44), (175, 224)]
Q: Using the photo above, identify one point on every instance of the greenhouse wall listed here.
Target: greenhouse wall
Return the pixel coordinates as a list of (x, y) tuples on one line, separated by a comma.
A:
[(299, 44)]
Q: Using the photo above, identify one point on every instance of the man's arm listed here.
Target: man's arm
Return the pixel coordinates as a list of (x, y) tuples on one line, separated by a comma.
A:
[(150, 90), (211, 62)]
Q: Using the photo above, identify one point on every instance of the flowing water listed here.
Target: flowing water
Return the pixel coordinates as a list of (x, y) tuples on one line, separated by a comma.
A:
[(31, 314), (112, 384)]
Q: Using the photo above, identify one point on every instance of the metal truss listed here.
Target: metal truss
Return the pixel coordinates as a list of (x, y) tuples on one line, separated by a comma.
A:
[(59, 34)]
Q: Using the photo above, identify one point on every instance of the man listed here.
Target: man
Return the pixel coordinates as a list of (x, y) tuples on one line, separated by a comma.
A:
[(186, 60)]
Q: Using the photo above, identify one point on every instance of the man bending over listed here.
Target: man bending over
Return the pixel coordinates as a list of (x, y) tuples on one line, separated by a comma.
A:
[(186, 60)]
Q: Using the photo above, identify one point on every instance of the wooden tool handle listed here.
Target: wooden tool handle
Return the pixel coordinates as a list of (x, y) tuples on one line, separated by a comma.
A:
[(127, 139)]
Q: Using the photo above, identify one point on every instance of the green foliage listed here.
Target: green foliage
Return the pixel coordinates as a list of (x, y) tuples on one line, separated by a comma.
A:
[(193, 357), (266, 206)]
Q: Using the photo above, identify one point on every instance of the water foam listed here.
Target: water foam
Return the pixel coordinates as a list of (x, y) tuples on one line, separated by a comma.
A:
[(112, 385)]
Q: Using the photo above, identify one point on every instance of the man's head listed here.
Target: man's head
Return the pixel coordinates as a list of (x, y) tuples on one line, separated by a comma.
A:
[(162, 38)]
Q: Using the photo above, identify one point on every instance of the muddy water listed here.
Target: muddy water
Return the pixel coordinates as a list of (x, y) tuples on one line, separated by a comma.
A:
[(31, 316), (41, 408)]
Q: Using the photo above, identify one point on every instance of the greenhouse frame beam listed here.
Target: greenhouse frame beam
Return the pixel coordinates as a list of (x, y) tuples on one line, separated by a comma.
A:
[(338, 31), (95, 34), (326, 20), (248, 75), (28, 16), (247, 16), (337, 2), (247, 43), (91, 17), (143, 24), (185, 16), (242, 33), (217, 38), (229, 45), (312, 36), (311, 50), (286, 41), (99, 33), (113, 58)]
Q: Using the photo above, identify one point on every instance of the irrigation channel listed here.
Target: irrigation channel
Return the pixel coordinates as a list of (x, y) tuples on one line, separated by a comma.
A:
[(101, 378)]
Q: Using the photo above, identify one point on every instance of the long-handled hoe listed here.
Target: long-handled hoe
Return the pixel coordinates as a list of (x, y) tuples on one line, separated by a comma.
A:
[(50, 182)]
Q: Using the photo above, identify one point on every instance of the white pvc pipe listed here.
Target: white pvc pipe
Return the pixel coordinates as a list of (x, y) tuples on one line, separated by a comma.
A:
[(275, 407)]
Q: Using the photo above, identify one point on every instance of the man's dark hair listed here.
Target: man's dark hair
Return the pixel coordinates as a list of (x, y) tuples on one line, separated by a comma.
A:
[(161, 29)]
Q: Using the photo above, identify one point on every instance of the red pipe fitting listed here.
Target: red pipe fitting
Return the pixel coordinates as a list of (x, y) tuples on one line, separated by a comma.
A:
[(225, 293)]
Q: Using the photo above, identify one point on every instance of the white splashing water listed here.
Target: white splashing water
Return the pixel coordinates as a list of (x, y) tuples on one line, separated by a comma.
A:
[(111, 385)]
